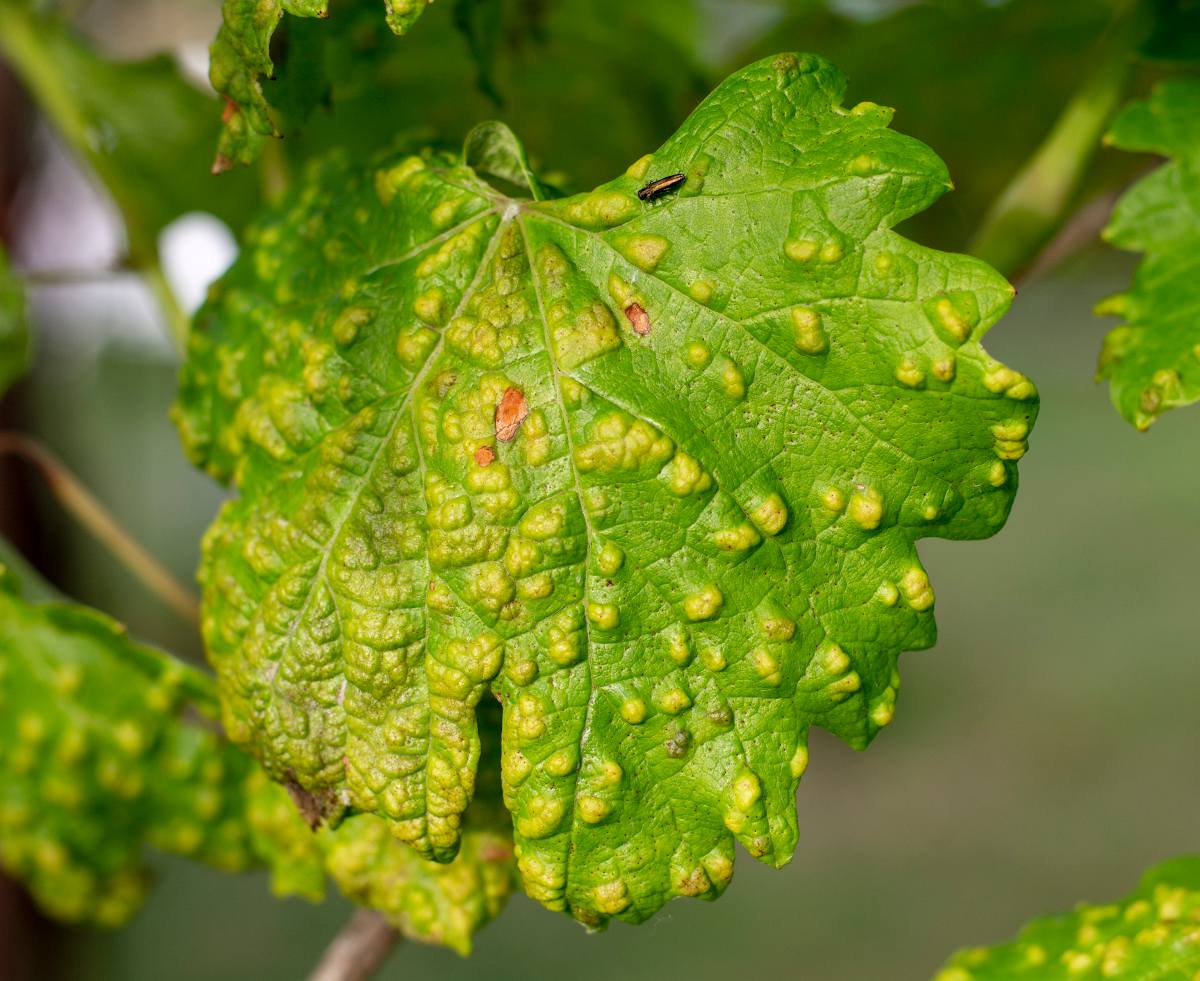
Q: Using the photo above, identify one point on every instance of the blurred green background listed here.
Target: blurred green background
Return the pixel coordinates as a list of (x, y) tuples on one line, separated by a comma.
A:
[(1042, 753)]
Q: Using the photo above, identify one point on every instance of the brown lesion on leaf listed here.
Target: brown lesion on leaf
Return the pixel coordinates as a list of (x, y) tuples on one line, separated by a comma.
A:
[(484, 456), (510, 413), (316, 807), (636, 314)]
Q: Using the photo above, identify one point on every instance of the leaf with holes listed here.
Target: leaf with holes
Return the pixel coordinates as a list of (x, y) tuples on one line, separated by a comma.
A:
[(735, 403), (1151, 935), (1153, 360)]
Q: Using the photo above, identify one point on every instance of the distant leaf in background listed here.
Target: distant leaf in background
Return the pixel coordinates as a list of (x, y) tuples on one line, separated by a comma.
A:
[(14, 327), (241, 57), (95, 762), (588, 86), (1151, 935), (650, 469), (145, 131), (950, 94), (1175, 36), (99, 759), (1153, 360)]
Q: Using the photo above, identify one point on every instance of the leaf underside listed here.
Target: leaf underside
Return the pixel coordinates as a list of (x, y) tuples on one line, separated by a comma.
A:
[(651, 472), (1152, 361), (240, 58), (1151, 935)]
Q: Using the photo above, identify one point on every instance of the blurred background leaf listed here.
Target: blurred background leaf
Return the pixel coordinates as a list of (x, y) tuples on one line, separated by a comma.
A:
[(145, 132), (14, 327)]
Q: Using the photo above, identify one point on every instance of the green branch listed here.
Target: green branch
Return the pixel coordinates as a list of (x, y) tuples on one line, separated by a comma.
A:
[(1037, 200)]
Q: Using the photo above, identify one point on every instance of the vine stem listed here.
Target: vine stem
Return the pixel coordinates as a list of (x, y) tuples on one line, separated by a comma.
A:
[(358, 950), (1036, 201), (89, 512)]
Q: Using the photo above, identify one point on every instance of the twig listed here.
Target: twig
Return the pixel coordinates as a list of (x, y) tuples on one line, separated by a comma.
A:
[(1037, 200), (90, 513), (358, 950), (1077, 233)]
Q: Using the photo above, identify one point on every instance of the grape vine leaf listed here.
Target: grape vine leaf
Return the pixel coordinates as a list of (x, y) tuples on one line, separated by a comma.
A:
[(97, 760), (1152, 361), (241, 55), (14, 327), (650, 470), (1151, 935), (346, 82), (141, 127)]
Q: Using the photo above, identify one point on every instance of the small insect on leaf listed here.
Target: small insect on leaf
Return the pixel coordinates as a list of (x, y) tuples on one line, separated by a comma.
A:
[(664, 185), (484, 456), (637, 316), (510, 413)]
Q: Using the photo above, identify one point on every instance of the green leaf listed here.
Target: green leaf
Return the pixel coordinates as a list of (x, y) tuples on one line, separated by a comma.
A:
[(949, 93), (144, 130), (564, 72), (427, 901), (1153, 360), (1150, 935), (651, 471), (14, 327), (241, 56), (95, 762)]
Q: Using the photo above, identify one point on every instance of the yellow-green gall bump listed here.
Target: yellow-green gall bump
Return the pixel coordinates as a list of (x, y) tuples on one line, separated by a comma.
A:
[(345, 329), (733, 382), (914, 584), (770, 514), (909, 373), (701, 290), (593, 810), (686, 476), (832, 499), (737, 539), (766, 665), (704, 604), (610, 559), (673, 701), (807, 333), (611, 897), (604, 615), (697, 355), (801, 249), (633, 711), (866, 508), (644, 251), (799, 761)]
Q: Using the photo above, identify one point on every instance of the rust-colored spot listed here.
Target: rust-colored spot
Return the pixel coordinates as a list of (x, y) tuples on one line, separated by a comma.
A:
[(229, 111), (221, 164), (639, 318), (484, 455), (510, 413), (316, 808)]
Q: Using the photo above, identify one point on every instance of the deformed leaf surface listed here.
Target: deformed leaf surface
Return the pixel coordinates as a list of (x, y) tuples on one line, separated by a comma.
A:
[(98, 760), (1151, 935), (739, 406), (1153, 360)]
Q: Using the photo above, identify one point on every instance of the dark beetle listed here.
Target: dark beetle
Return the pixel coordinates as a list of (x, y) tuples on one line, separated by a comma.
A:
[(664, 185)]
